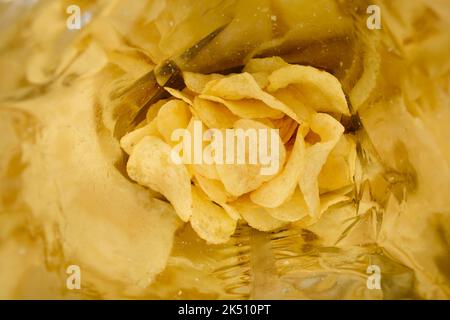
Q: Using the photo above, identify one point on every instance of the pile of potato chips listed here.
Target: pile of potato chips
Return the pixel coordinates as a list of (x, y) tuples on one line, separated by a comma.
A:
[(317, 158)]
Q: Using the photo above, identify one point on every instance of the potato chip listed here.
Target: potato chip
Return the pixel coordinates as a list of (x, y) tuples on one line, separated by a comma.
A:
[(209, 220), (267, 122), (260, 69), (266, 65), (287, 127), (196, 82), (129, 141), (175, 114), (257, 217), (261, 78), (339, 169), (295, 100), (150, 165), (214, 189), (329, 130), (180, 95), (247, 108), (204, 169), (242, 178), (232, 212), (213, 114), (319, 89), (243, 86), (154, 109), (293, 209), (247, 124), (274, 193)]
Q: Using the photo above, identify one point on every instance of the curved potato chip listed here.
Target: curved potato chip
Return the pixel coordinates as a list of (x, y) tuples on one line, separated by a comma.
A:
[(130, 140), (261, 78), (260, 69), (287, 127), (247, 108), (292, 210), (180, 95), (274, 193), (209, 220), (320, 89), (266, 122), (295, 100), (150, 165), (266, 65), (175, 114), (208, 171), (213, 114), (243, 86), (154, 109), (196, 82), (339, 169), (257, 217), (205, 170), (232, 212), (214, 189), (329, 130), (242, 178)]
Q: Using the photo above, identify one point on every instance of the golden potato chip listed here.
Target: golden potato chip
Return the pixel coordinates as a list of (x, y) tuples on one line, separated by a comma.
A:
[(261, 78), (329, 130), (260, 69), (244, 87), (260, 124), (150, 165), (175, 114), (257, 217), (339, 169), (214, 189), (131, 139), (154, 109), (274, 193), (246, 108), (242, 178), (293, 209), (204, 169), (266, 65), (213, 114), (209, 220), (180, 95), (232, 212), (287, 127), (319, 89), (296, 102), (208, 171), (268, 123), (196, 82)]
